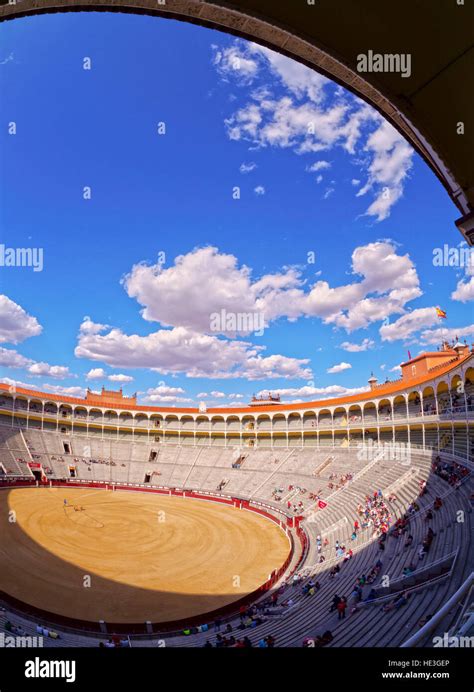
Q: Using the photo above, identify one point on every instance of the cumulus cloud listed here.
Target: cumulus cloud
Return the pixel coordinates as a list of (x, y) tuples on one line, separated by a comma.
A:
[(96, 374), (15, 323), (59, 372), (90, 327), (9, 358), (464, 291), (165, 394), (340, 367), (206, 282), (77, 392), (409, 324), (100, 374), (12, 359), (186, 294), (365, 345), (259, 190), (180, 350), (183, 298), (120, 378), (13, 383), (260, 367), (436, 336)]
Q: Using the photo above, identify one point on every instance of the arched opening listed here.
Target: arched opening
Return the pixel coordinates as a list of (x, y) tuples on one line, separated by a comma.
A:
[(400, 407), (429, 402), (294, 421), (325, 418), (340, 416), (370, 413), (385, 410), (310, 421), (355, 415)]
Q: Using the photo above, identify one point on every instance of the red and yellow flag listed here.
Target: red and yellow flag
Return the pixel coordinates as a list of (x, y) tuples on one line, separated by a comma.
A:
[(441, 313)]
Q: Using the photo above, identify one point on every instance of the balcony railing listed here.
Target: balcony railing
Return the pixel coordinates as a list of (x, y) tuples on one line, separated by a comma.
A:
[(447, 414)]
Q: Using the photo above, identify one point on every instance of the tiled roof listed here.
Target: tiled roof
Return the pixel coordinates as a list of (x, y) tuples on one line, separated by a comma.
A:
[(382, 390)]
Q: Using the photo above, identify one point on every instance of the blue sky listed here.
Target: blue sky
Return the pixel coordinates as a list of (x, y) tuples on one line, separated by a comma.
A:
[(263, 167)]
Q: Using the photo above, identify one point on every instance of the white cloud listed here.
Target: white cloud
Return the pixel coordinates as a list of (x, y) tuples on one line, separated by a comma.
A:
[(17, 383), (328, 192), (59, 372), (318, 166), (120, 378), (15, 324), (300, 80), (396, 368), (340, 367), (205, 282), (259, 190), (303, 121), (259, 367), (96, 374), (409, 324), (90, 327), (308, 391), (186, 294), (391, 162), (9, 58), (12, 359), (247, 167), (358, 348), (464, 291), (78, 392), (436, 336), (180, 350), (100, 374), (234, 61), (165, 394)]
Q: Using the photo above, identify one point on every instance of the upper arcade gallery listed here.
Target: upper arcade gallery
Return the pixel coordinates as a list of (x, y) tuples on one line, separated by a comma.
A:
[(445, 388)]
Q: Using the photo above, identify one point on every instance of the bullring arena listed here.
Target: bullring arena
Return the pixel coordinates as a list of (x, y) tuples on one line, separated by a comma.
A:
[(150, 557), (344, 522)]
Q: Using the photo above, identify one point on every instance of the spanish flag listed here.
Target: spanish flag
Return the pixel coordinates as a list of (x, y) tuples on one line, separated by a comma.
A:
[(441, 313)]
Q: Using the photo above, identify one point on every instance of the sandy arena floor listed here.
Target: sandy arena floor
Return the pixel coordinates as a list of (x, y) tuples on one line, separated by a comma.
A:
[(147, 556)]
